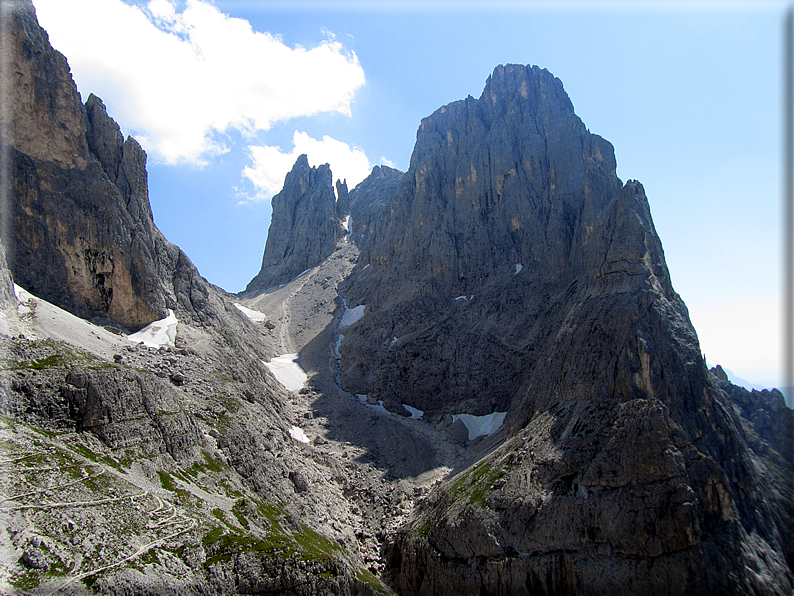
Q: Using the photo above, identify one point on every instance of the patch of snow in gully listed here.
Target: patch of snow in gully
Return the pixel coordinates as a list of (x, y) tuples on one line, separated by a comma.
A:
[(415, 414), (288, 371), (21, 293), (519, 267), (352, 315), (254, 315), (379, 406), (481, 425), (158, 334), (296, 432), (348, 227)]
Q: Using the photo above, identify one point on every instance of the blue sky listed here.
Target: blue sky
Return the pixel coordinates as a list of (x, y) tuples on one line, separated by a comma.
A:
[(687, 92)]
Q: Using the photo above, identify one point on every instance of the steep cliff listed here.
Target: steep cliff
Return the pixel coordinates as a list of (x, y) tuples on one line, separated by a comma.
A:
[(533, 282), (366, 202), (304, 227), (509, 273), (80, 231)]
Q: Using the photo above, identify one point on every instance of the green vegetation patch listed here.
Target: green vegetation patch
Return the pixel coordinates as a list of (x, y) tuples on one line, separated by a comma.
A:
[(239, 512), (315, 544), (224, 543), (166, 481), (366, 576), (91, 456), (476, 483), (210, 464), (27, 580), (61, 354)]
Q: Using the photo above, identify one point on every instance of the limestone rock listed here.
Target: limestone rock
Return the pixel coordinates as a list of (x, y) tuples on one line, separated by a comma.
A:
[(304, 227), (129, 410), (6, 283), (81, 233), (367, 201), (35, 558), (532, 281)]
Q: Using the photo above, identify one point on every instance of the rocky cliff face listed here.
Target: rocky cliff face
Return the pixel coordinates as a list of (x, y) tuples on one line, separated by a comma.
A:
[(366, 202), (500, 193), (532, 283), (80, 231), (6, 284), (304, 227), (508, 271)]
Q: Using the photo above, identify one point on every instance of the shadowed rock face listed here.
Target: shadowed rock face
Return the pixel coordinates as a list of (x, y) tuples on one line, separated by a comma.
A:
[(623, 454), (366, 202), (508, 270), (304, 227), (493, 182), (499, 206)]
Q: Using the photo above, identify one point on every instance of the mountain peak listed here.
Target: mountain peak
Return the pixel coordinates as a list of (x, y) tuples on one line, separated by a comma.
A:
[(304, 227)]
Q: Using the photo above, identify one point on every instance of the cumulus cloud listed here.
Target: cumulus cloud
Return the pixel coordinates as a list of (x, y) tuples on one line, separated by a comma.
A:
[(270, 164), (179, 80)]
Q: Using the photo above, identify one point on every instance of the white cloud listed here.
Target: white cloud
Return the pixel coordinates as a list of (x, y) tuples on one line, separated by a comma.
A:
[(177, 79), (270, 164)]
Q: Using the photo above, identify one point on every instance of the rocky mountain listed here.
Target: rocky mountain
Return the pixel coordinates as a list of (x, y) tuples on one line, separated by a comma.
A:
[(485, 385), (366, 201), (304, 229), (80, 231), (532, 285)]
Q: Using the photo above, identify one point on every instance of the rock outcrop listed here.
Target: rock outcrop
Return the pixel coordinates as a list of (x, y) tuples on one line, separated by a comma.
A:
[(366, 202), (304, 228), (768, 426), (80, 232), (533, 282), (509, 272), (6, 283)]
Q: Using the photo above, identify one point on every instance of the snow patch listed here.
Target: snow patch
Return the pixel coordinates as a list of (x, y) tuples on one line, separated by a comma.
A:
[(379, 406), (365, 266), (158, 334), (415, 414), (287, 370), (22, 294), (481, 425), (461, 298), (348, 227), (351, 315), (254, 315), (337, 346), (519, 267), (296, 432)]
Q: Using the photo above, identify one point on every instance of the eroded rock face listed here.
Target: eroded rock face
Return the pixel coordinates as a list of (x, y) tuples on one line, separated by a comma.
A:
[(493, 182), (129, 410), (304, 227), (80, 232), (532, 281), (6, 283), (479, 238), (366, 202)]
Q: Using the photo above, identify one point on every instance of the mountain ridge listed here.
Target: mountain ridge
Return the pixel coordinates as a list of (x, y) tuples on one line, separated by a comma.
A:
[(509, 272)]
